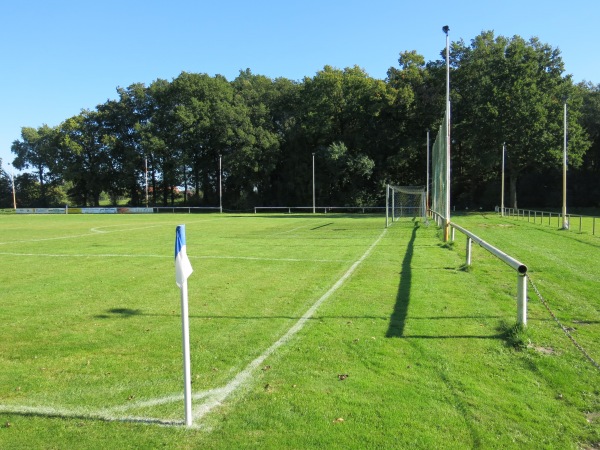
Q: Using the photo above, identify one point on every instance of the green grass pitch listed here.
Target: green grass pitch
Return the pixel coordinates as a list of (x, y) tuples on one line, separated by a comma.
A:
[(307, 331)]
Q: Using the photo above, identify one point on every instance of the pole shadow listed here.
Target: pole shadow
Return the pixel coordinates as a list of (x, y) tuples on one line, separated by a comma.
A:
[(398, 317)]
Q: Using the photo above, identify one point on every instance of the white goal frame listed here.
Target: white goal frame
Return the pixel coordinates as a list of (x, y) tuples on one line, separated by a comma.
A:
[(405, 201)]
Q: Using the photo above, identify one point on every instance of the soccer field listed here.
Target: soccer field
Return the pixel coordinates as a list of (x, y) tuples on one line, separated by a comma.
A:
[(306, 331)]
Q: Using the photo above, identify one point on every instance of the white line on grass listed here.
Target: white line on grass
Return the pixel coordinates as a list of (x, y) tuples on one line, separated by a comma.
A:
[(80, 413), (94, 232), (289, 231), (122, 255)]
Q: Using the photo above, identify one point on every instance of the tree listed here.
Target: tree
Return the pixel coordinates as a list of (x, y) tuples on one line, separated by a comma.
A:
[(339, 172), (121, 122), (85, 156), (38, 150), (345, 106), (419, 106), (512, 91), (590, 120), (5, 188), (159, 141)]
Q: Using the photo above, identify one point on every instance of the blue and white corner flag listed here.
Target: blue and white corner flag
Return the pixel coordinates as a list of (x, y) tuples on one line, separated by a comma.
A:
[(183, 268)]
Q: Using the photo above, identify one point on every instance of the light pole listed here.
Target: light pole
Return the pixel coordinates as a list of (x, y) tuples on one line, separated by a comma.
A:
[(502, 182), (446, 29), (220, 186), (565, 220), (313, 184), (146, 178), (427, 179), (12, 181)]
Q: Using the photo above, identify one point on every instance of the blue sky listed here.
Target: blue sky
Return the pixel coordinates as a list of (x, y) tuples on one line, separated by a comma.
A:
[(62, 56)]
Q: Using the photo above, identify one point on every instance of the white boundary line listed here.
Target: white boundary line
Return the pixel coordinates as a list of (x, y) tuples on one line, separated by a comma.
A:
[(120, 255), (215, 396)]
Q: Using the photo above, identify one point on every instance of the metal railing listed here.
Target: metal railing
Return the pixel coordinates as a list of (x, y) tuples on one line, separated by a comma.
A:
[(576, 221), (519, 267)]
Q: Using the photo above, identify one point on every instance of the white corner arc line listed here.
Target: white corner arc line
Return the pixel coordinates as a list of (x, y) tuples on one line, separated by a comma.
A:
[(241, 378)]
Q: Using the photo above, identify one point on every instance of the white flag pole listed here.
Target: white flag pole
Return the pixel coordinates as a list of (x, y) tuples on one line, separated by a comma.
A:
[(183, 269), (187, 379)]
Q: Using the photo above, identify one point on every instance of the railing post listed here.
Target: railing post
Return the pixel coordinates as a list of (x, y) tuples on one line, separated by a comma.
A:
[(522, 299), (452, 234), (469, 246)]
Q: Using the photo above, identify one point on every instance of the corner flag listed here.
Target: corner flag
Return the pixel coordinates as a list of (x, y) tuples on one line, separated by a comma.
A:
[(183, 268)]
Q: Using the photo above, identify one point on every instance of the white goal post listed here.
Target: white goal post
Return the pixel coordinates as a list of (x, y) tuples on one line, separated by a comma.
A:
[(404, 201)]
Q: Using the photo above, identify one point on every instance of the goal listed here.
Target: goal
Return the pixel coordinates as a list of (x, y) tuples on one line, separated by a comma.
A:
[(404, 201)]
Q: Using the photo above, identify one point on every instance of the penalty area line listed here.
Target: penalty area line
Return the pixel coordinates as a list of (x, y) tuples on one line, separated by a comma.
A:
[(124, 255)]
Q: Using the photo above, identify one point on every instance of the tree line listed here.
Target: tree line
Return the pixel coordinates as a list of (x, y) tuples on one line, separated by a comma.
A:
[(256, 137)]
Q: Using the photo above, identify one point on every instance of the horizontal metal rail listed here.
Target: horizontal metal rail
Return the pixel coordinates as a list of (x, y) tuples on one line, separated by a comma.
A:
[(542, 217), (519, 267), (512, 262)]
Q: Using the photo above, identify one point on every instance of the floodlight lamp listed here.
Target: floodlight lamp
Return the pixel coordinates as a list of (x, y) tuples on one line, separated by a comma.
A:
[(445, 29)]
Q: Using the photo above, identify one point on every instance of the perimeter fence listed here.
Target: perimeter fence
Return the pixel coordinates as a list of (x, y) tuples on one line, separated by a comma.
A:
[(576, 222)]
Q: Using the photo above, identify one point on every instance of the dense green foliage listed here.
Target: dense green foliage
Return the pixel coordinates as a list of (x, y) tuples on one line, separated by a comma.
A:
[(363, 132)]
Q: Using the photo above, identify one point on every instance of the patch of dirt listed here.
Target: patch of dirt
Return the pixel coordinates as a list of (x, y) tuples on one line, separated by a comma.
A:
[(592, 417), (543, 350)]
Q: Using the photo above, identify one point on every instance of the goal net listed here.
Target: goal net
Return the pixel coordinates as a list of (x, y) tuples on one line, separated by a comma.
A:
[(404, 201)]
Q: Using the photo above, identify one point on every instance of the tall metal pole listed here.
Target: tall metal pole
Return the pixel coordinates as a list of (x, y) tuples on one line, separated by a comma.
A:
[(446, 28), (565, 221), (427, 179), (313, 184), (12, 180), (502, 183), (146, 178), (220, 185)]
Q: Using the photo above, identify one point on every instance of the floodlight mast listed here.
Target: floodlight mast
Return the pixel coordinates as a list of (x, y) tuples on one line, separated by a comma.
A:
[(313, 185), (12, 182), (427, 179), (220, 184), (565, 220), (446, 29), (502, 182)]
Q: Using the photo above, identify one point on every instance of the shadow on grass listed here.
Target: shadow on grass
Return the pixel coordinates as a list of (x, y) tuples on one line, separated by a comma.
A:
[(398, 318), (120, 312), (46, 413), (124, 312)]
